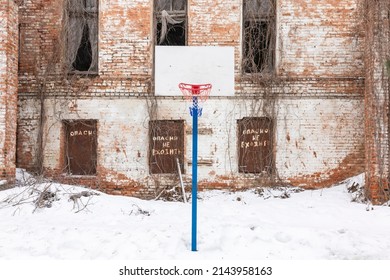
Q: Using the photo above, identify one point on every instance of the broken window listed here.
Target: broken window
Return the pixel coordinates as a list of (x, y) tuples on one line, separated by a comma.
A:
[(82, 35), (170, 22), (255, 152), (81, 147), (166, 145), (259, 36)]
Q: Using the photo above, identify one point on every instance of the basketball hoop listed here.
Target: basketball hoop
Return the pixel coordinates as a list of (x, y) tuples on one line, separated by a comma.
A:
[(202, 92), (195, 94)]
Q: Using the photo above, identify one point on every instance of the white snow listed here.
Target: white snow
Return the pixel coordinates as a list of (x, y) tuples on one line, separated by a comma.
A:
[(320, 224)]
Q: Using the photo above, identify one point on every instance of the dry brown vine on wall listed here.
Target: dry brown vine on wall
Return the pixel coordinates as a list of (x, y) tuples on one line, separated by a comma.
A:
[(376, 15)]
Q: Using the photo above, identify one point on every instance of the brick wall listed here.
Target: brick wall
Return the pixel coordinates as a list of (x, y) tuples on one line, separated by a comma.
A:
[(316, 97), (322, 38), (377, 102), (8, 88), (31, 72)]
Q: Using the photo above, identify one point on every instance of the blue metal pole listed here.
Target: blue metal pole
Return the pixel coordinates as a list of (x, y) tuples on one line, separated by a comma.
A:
[(194, 170)]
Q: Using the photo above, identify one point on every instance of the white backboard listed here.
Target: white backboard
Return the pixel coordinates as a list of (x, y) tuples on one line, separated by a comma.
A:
[(194, 65)]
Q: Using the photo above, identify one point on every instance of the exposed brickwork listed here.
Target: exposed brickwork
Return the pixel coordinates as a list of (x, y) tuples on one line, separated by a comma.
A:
[(317, 93), (377, 101), (323, 38), (8, 88)]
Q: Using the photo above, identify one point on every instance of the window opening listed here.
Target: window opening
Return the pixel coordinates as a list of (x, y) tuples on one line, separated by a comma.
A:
[(259, 36), (171, 25), (84, 53), (82, 35)]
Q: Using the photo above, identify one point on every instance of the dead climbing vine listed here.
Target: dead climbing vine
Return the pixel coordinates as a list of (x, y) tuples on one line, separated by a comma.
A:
[(376, 17), (258, 67)]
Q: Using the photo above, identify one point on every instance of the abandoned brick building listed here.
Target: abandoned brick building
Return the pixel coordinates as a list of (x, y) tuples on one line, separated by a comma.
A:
[(79, 98)]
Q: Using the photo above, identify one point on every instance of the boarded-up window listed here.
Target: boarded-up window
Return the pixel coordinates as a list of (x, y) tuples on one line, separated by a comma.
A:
[(255, 145), (81, 147), (259, 36), (170, 22), (81, 27), (166, 145)]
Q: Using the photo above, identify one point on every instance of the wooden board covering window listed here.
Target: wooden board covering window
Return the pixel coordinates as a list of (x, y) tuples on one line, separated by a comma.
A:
[(81, 147), (255, 153), (166, 139)]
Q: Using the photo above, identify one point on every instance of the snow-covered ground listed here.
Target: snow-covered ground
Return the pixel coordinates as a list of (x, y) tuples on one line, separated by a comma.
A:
[(320, 224)]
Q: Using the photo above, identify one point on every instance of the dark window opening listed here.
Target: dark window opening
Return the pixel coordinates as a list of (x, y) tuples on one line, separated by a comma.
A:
[(81, 27), (259, 36), (84, 53), (255, 145), (81, 147), (166, 145), (176, 34), (257, 47), (170, 22)]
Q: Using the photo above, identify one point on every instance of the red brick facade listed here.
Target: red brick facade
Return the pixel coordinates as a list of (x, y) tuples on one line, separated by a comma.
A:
[(315, 98), (377, 92), (8, 88)]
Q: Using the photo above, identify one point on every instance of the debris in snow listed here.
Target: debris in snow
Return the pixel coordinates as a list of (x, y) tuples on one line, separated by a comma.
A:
[(76, 198), (170, 193), (38, 195), (277, 192), (355, 187), (41, 193), (45, 198), (138, 211)]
